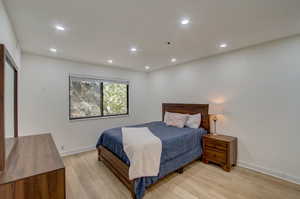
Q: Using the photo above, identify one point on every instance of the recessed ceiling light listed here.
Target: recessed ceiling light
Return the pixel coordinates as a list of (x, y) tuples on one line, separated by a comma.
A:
[(223, 45), (133, 49), (147, 67), (110, 61), (173, 60), (185, 21), (53, 50), (60, 27)]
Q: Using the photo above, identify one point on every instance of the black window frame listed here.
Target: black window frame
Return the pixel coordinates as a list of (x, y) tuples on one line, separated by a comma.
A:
[(101, 80)]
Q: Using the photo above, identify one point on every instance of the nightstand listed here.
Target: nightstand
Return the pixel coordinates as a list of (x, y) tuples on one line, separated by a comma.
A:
[(220, 149)]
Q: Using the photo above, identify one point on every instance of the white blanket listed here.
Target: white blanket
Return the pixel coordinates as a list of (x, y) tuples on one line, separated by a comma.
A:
[(143, 149)]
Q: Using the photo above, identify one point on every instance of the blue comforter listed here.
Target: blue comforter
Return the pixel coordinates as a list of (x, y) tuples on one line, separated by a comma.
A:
[(179, 147)]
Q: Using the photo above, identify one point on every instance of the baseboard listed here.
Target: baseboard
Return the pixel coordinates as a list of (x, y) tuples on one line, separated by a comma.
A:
[(270, 172), (76, 151)]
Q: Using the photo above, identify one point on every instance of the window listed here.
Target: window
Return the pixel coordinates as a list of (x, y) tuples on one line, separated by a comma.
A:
[(90, 97)]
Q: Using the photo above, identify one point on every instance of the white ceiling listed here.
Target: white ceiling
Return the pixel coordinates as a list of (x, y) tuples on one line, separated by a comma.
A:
[(98, 30)]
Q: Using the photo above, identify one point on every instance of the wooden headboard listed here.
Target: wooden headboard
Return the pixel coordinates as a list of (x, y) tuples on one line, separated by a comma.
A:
[(189, 109)]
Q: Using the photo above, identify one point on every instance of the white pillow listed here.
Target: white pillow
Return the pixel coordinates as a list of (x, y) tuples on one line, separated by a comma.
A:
[(193, 121), (166, 117), (175, 119)]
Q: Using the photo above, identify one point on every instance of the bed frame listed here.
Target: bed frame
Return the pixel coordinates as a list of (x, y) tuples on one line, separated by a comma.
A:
[(121, 170)]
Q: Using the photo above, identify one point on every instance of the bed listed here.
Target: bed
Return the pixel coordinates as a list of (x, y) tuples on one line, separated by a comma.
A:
[(180, 146)]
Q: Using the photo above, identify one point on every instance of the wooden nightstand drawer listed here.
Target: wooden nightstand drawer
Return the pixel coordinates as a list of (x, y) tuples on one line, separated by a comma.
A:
[(219, 145), (215, 156)]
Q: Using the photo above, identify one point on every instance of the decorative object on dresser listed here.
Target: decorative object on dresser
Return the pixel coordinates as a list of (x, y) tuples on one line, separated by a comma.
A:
[(220, 149), (215, 110), (33, 170)]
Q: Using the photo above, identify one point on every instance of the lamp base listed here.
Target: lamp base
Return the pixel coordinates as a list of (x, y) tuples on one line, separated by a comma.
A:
[(215, 126)]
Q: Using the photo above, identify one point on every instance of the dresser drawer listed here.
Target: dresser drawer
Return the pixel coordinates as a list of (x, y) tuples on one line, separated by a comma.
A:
[(215, 156), (215, 144)]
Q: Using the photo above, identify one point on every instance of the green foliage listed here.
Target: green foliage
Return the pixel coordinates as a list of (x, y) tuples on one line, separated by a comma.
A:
[(85, 98), (114, 98)]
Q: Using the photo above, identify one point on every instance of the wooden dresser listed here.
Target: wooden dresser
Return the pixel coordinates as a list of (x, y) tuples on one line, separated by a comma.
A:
[(33, 170), (220, 149)]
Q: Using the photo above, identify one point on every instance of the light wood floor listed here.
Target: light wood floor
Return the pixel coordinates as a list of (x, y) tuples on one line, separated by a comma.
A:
[(86, 178)]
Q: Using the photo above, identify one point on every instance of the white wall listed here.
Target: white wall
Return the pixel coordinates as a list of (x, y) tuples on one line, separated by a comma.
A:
[(44, 105), (259, 87), (7, 35)]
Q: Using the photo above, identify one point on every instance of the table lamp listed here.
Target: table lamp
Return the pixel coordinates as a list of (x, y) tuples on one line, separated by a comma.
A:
[(215, 110)]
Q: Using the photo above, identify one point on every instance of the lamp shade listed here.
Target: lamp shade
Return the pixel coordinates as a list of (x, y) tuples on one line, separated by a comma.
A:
[(216, 109)]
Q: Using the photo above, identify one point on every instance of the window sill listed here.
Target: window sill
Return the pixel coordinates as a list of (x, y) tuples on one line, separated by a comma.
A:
[(97, 118)]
